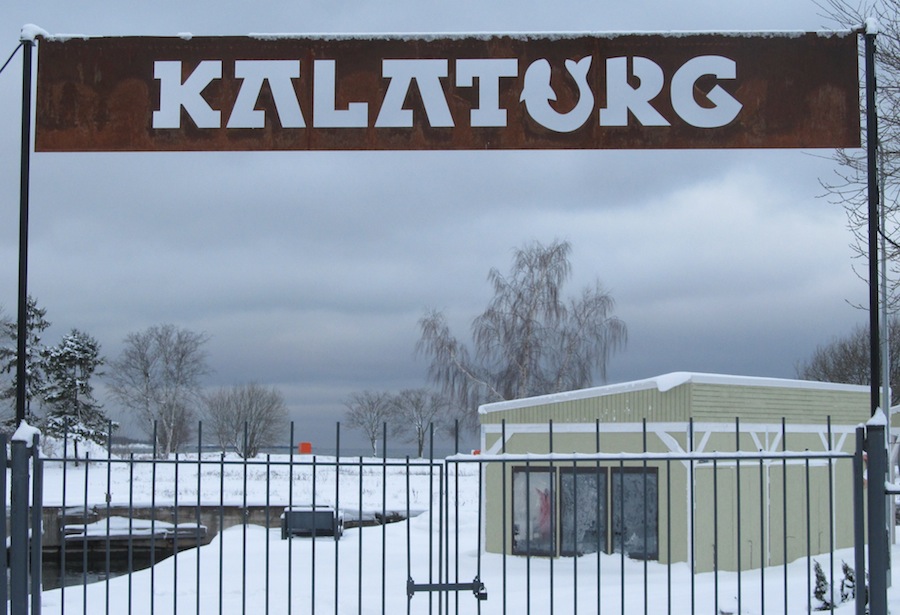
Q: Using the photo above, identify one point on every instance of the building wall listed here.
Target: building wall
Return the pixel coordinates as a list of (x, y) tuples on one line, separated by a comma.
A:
[(739, 512), (753, 404)]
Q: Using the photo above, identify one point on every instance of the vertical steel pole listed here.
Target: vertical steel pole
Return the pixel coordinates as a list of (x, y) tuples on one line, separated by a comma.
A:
[(879, 556), (18, 542), (553, 522), (871, 154), (503, 512), (337, 511), (25, 172), (737, 472)]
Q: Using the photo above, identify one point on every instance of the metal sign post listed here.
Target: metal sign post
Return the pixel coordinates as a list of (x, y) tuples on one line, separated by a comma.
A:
[(24, 180), (872, 176), (18, 518)]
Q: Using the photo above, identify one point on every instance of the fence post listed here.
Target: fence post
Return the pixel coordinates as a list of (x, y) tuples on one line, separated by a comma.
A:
[(18, 528), (4, 534), (859, 523), (37, 525), (879, 563)]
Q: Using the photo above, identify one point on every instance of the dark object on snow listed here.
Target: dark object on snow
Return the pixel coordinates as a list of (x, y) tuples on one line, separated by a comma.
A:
[(311, 521)]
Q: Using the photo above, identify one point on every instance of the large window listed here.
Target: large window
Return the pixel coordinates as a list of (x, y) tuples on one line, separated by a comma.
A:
[(582, 503), (634, 508), (534, 511), (585, 509)]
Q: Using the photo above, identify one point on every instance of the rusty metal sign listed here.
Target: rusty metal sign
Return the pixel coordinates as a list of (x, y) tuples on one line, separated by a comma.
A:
[(635, 91)]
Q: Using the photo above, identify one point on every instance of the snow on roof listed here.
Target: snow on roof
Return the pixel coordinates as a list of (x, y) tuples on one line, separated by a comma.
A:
[(667, 382)]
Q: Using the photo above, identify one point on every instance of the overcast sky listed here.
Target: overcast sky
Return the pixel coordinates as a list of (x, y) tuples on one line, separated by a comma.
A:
[(310, 270)]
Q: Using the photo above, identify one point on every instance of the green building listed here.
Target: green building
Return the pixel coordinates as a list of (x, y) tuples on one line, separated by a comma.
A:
[(685, 467)]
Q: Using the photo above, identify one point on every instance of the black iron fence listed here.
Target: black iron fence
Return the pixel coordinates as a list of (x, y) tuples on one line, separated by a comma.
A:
[(591, 532)]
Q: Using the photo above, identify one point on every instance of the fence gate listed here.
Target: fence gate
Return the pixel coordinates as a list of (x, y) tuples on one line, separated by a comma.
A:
[(211, 533)]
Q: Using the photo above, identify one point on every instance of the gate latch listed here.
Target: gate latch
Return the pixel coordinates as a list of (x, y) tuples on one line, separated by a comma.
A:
[(476, 587)]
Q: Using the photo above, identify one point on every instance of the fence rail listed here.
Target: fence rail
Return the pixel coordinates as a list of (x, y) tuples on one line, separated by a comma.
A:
[(646, 532)]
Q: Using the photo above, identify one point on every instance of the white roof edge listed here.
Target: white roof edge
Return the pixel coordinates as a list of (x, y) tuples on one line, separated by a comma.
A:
[(665, 383)]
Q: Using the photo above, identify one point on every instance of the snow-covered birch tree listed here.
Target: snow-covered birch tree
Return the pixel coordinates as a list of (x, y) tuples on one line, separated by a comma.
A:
[(529, 340), (157, 377)]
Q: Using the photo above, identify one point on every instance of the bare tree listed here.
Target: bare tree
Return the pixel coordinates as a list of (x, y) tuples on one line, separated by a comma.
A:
[(415, 412), (157, 376), (528, 341), (849, 186), (369, 411), (846, 359), (247, 417)]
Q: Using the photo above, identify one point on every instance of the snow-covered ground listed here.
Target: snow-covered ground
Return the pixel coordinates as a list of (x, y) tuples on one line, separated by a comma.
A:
[(250, 569)]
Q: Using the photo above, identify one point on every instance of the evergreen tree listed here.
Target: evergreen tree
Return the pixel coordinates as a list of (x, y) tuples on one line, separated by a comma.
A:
[(822, 589), (35, 371), (848, 583), (68, 393)]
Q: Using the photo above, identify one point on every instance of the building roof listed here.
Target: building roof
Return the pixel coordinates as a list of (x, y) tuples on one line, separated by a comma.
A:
[(667, 382)]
